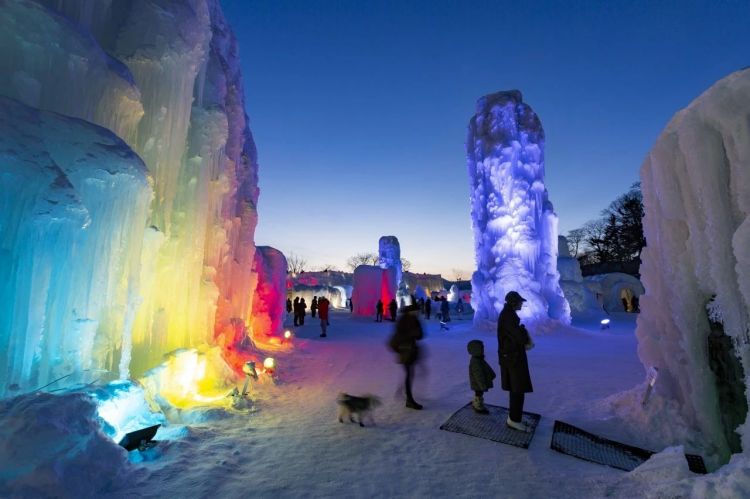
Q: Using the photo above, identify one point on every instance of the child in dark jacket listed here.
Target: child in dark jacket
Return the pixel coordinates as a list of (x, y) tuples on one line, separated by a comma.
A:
[(480, 375)]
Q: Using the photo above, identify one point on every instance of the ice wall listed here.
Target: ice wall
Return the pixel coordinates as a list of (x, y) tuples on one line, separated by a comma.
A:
[(74, 205), (164, 77), (696, 193), (370, 284), (269, 302), (515, 227)]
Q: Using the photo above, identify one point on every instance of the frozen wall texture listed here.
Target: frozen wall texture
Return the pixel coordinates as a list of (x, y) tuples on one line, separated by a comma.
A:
[(269, 302), (370, 284), (389, 255), (696, 193), (164, 77), (73, 210), (515, 227)]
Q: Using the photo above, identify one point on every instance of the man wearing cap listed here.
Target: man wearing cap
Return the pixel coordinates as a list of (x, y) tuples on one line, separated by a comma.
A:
[(513, 340)]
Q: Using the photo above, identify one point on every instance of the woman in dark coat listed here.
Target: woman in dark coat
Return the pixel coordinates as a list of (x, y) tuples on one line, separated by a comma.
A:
[(392, 308), (513, 341), (404, 343)]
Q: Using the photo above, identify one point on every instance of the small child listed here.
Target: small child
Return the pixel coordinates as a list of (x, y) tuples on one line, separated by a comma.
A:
[(480, 375)]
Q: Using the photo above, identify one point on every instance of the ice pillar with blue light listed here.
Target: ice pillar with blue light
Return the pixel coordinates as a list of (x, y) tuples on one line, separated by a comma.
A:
[(515, 227)]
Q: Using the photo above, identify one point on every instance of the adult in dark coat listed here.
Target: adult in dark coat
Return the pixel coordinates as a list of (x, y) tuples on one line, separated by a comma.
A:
[(379, 311), (302, 308), (296, 310), (404, 343), (513, 341), (392, 308), (445, 310), (288, 306), (427, 308), (314, 306)]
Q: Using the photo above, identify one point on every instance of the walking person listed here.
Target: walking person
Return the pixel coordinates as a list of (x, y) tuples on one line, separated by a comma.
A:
[(404, 342), (513, 341), (296, 310), (427, 308), (323, 315), (392, 308), (445, 309), (379, 311), (351, 306), (314, 306), (288, 306)]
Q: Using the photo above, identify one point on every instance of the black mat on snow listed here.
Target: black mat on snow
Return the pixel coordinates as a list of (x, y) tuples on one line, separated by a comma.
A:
[(491, 426), (579, 443)]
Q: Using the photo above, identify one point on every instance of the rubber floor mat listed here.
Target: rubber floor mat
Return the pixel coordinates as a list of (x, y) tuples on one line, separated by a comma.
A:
[(579, 443), (492, 426)]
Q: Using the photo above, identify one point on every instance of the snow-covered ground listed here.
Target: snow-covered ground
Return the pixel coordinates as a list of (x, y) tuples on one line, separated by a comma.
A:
[(292, 446)]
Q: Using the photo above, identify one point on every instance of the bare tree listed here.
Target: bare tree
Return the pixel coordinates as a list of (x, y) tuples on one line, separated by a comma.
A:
[(458, 274), (367, 258), (405, 264), (575, 237), (295, 264)]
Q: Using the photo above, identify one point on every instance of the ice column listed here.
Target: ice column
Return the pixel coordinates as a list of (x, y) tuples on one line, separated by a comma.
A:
[(515, 227), (696, 194), (389, 255)]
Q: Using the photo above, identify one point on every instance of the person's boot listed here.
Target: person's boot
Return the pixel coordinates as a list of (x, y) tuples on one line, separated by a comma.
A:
[(478, 405), (520, 426), (412, 404)]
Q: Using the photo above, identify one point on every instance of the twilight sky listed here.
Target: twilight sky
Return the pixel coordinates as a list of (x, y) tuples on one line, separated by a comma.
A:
[(359, 108)]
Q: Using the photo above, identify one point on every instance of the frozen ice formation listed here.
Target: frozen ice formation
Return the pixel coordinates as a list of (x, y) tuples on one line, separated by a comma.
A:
[(580, 298), (269, 302), (73, 214), (515, 227), (123, 245), (612, 288), (696, 194), (370, 284), (389, 255)]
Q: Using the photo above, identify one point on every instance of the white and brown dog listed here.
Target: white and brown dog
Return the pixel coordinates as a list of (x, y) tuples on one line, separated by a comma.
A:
[(349, 406)]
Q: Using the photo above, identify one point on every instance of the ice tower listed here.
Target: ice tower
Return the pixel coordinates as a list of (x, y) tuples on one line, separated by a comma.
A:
[(515, 228)]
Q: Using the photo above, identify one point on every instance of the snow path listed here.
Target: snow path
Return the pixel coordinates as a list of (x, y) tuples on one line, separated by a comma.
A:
[(292, 446)]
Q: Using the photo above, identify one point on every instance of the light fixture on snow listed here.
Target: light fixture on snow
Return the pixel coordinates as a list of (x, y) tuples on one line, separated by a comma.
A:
[(269, 364), (604, 323), (287, 334)]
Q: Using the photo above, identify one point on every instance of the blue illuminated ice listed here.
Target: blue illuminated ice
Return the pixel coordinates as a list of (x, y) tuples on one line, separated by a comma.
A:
[(515, 227)]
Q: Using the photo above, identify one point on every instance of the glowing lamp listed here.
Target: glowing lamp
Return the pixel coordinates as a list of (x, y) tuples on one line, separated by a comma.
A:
[(604, 323), (269, 364), (287, 334)]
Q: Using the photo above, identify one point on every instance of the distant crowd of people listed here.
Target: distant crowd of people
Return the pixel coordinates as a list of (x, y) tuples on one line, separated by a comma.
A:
[(319, 307)]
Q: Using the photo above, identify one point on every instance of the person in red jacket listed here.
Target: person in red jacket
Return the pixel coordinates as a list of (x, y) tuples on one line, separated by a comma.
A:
[(323, 314)]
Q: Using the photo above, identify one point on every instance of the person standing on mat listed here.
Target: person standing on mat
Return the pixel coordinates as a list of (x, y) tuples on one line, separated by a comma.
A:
[(513, 340), (480, 375)]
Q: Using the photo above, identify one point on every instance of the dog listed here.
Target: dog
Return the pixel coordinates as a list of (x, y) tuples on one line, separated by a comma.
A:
[(349, 406)]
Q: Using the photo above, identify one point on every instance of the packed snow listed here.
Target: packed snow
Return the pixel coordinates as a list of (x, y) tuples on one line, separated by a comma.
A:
[(289, 443)]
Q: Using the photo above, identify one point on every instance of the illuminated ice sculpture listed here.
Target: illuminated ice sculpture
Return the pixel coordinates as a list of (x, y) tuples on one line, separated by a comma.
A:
[(515, 227)]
